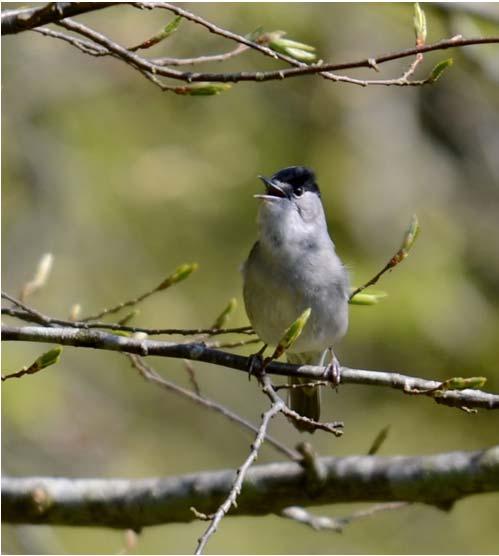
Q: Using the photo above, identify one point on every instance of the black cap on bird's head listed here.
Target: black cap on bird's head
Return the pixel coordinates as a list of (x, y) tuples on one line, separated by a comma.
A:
[(290, 182)]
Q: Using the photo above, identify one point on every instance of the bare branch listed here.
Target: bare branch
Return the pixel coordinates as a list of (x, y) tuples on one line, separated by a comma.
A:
[(438, 480), (336, 524), (29, 314), (16, 21), (196, 351), (241, 473), (152, 376)]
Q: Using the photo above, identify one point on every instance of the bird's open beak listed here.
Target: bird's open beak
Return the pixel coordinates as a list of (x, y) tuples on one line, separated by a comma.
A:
[(273, 190)]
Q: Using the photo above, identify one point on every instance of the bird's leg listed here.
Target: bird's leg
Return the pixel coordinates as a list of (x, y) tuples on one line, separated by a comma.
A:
[(333, 369), (255, 365)]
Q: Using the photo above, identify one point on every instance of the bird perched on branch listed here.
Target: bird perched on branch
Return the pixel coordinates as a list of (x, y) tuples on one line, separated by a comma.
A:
[(294, 266)]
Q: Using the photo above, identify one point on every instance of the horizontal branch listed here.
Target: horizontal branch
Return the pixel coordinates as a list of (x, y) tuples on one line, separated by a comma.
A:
[(15, 21), (198, 351), (439, 480)]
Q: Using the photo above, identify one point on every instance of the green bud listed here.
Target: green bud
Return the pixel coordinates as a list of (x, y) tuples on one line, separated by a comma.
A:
[(297, 50), (460, 383), (301, 55), (46, 359), (224, 316), (371, 298), (437, 71), (172, 26), (169, 29), (203, 88), (181, 273), (292, 333), (419, 25)]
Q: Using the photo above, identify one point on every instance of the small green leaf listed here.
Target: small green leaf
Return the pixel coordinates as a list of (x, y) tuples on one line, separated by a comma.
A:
[(419, 24), (181, 273), (301, 55), (297, 50), (288, 43), (409, 238), (224, 316), (437, 71), (46, 359), (172, 26), (169, 29), (292, 333), (460, 383), (371, 298), (203, 88)]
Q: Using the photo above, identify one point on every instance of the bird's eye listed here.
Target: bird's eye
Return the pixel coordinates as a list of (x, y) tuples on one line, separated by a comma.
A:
[(298, 191)]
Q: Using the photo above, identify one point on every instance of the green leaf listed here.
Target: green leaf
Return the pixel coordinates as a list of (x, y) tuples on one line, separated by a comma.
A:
[(460, 383), (224, 316), (301, 55), (46, 359), (437, 71), (181, 273), (172, 26), (292, 333), (371, 298), (203, 88), (419, 25), (297, 50), (169, 29), (410, 237)]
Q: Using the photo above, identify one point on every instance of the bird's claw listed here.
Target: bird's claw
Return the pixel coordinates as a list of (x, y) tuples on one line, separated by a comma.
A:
[(256, 363), (332, 372)]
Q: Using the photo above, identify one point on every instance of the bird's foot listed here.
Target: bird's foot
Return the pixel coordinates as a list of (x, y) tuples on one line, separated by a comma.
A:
[(256, 363), (332, 372)]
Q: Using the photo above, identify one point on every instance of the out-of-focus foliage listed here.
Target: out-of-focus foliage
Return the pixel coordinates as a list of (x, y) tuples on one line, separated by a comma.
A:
[(123, 183)]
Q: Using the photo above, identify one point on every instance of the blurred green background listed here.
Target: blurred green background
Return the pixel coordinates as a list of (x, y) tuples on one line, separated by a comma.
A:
[(122, 183)]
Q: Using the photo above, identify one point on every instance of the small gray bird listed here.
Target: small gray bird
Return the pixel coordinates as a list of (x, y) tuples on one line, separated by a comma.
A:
[(291, 267)]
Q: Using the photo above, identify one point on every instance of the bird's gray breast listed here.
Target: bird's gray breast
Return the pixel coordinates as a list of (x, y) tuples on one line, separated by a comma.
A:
[(280, 284)]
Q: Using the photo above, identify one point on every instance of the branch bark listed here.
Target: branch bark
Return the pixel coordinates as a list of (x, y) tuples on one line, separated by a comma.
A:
[(438, 480), (198, 351), (16, 21)]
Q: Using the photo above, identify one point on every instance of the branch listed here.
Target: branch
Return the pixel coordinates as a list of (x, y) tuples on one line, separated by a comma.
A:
[(197, 351), (151, 376), (16, 21), (241, 473), (336, 524), (29, 314), (438, 480)]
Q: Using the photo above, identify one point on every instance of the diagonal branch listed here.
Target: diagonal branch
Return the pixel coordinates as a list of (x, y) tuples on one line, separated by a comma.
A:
[(439, 480), (241, 473), (16, 21), (152, 376), (197, 351)]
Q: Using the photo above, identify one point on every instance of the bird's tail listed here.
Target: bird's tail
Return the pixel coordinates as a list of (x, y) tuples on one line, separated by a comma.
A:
[(305, 401)]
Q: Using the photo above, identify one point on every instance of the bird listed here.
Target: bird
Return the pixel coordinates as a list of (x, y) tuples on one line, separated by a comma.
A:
[(291, 267)]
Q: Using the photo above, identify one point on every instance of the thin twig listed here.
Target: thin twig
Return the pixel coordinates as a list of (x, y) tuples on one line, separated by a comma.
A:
[(201, 59), (151, 375), (240, 476), (189, 367), (34, 315), (336, 524), (336, 427), (30, 315)]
